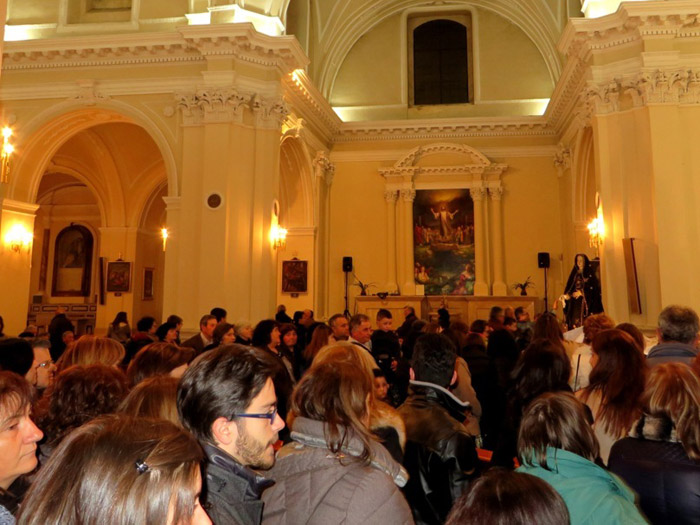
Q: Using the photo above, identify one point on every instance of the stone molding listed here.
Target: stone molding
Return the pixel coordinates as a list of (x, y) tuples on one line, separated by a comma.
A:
[(562, 159), (478, 193), (323, 167)]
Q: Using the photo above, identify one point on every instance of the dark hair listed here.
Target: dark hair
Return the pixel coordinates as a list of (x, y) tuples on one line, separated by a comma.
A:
[(509, 321), (494, 312), (378, 373), (519, 311), (478, 326), (635, 332), (321, 337), (335, 392), (542, 367), (2, 325), (222, 382), (119, 470), (78, 395), (262, 333), (285, 328), (157, 359), (153, 397), (16, 355), (619, 378), (220, 331), (145, 324), (434, 358), (334, 318), (205, 319), (558, 420), (548, 327), (119, 318), (356, 320), (15, 393), (460, 332), (219, 313), (163, 330), (175, 319), (383, 313), (504, 497)]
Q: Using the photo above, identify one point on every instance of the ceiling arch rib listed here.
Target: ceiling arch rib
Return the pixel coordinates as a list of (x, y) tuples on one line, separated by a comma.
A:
[(351, 20)]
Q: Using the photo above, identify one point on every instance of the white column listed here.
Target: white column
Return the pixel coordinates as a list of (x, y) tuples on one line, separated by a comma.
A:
[(390, 197), (499, 273), (172, 250), (408, 279), (480, 285)]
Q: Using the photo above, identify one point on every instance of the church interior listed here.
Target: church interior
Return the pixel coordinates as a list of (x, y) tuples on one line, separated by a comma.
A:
[(170, 156)]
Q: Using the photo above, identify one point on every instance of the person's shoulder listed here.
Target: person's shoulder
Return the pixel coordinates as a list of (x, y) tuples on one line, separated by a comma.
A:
[(375, 498)]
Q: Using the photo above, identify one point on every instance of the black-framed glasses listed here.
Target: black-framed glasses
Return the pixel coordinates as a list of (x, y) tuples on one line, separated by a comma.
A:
[(268, 415)]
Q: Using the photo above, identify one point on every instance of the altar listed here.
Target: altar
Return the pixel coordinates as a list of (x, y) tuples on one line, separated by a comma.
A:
[(466, 308)]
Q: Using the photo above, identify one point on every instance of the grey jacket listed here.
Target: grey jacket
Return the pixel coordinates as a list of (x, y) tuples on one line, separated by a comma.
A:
[(316, 486), (671, 351)]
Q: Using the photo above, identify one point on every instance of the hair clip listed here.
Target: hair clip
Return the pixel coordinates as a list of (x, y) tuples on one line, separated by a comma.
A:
[(141, 466)]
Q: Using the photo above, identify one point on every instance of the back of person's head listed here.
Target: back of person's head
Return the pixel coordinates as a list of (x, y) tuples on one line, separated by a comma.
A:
[(356, 320), (495, 313), (541, 367), (504, 497), (90, 349), (509, 321), (119, 470), (162, 330), (475, 340), (673, 391), (593, 324), (478, 326), (635, 332), (78, 395), (619, 376), (460, 331), (319, 339), (16, 355), (174, 319), (502, 344), (145, 323), (157, 359), (383, 313), (434, 357), (220, 383), (219, 313), (336, 392), (548, 327), (345, 351), (119, 319), (557, 420), (678, 323), (262, 334), (155, 397)]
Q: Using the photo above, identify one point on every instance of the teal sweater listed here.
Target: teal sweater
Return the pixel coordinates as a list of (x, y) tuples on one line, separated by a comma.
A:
[(592, 494)]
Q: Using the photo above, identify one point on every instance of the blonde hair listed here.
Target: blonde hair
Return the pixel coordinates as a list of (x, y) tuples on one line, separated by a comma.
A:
[(673, 390), (154, 397), (89, 350)]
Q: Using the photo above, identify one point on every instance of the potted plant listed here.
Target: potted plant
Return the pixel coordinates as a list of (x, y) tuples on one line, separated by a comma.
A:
[(362, 286), (524, 286)]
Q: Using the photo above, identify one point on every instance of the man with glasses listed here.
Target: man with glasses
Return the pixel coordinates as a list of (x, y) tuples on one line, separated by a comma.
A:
[(227, 400)]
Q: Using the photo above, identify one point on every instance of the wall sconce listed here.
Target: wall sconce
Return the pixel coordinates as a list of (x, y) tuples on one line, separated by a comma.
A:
[(7, 150), (18, 237), (278, 236), (596, 232), (164, 236)]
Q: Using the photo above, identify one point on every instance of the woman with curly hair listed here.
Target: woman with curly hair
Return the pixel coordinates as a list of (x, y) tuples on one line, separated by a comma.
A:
[(78, 395), (122, 471)]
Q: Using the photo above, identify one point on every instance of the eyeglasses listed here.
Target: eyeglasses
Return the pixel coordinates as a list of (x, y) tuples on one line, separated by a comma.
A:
[(45, 364), (269, 415)]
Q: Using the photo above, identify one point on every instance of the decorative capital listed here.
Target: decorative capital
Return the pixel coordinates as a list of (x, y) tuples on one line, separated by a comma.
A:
[(213, 104), (269, 112), (496, 193), (408, 194), (562, 159), (390, 196), (323, 167), (87, 93), (478, 193)]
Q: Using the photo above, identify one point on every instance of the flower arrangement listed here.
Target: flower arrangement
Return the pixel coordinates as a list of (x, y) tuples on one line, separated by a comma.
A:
[(524, 286)]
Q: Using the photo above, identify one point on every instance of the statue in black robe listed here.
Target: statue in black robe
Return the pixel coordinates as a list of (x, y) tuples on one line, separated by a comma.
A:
[(582, 293)]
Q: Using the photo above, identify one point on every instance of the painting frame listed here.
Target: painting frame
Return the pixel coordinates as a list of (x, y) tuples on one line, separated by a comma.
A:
[(148, 283), (118, 277), (72, 262), (295, 276)]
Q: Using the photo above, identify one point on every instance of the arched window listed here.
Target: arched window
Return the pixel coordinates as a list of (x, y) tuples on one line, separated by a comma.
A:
[(440, 63), (72, 262)]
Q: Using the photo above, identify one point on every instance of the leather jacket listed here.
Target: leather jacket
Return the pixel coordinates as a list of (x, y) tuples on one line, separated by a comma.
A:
[(440, 455)]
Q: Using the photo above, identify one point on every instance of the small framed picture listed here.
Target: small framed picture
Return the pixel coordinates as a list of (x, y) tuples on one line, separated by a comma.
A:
[(148, 284), (118, 276), (294, 276)]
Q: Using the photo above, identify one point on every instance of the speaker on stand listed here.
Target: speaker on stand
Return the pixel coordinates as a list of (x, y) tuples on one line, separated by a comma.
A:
[(543, 262), (347, 268)]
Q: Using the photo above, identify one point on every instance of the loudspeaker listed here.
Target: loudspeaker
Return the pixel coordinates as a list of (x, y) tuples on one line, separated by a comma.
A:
[(347, 264), (543, 260)]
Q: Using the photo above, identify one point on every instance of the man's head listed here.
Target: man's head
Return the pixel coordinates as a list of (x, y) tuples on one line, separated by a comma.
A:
[(340, 327), (219, 313), (207, 324), (521, 315), (307, 318), (678, 323), (360, 328), (385, 322), (176, 320), (147, 324), (434, 358), (43, 367), (18, 434), (496, 315), (408, 310), (218, 391), (16, 355), (67, 337)]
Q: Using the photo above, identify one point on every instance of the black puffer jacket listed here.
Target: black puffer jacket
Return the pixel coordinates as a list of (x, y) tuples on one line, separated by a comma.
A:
[(440, 455), (655, 465)]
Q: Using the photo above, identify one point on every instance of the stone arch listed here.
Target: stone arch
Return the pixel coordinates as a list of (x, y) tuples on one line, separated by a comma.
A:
[(297, 208), (584, 187), (42, 137)]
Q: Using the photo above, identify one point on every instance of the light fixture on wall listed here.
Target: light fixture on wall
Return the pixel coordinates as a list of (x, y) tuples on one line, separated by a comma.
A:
[(596, 232), (164, 235), (7, 150), (18, 237), (278, 236)]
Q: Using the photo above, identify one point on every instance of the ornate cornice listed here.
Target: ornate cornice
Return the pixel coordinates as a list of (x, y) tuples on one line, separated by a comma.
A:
[(303, 95), (227, 104)]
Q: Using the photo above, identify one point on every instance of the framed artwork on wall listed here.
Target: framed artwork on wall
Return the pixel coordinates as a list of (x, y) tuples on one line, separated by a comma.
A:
[(148, 284), (294, 276), (72, 262), (118, 276)]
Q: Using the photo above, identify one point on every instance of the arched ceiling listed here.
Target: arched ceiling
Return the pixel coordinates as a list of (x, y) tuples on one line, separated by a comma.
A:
[(337, 26)]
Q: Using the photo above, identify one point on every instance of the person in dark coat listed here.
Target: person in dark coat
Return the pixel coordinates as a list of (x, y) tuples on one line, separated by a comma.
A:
[(58, 326), (410, 315), (582, 293)]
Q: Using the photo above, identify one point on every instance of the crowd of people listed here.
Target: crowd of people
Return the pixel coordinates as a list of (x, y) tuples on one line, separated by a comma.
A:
[(291, 420)]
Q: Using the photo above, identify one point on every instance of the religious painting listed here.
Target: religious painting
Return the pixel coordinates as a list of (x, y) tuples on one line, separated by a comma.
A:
[(148, 284), (294, 276), (72, 262), (443, 241), (118, 276)]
